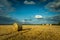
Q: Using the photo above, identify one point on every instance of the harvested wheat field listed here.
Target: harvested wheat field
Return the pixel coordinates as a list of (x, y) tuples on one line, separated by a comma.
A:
[(35, 32)]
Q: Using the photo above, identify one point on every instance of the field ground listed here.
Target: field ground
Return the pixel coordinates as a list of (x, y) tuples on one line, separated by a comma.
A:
[(34, 32)]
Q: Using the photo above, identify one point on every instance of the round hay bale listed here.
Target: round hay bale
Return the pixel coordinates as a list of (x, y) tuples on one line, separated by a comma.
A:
[(6, 29), (50, 24), (47, 24), (15, 25), (19, 27)]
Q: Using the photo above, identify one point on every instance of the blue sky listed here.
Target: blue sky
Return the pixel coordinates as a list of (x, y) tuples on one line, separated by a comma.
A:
[(28, 9)]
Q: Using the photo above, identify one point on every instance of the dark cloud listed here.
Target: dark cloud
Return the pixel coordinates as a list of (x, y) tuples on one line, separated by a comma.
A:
[(55, 19), (8, 20), (42, 0), (5, 7), (54, 6)]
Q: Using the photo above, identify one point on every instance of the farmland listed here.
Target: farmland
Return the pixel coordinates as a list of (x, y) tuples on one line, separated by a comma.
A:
[(34, 32)]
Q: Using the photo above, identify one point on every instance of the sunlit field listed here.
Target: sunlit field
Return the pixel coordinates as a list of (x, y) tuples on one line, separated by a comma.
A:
[(38, 32), (34, 32)]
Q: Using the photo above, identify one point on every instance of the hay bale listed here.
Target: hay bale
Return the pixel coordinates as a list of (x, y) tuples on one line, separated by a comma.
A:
[(50, 24), (19, 27), (6, 29), (43, 24), (15, 25), (47, 24)]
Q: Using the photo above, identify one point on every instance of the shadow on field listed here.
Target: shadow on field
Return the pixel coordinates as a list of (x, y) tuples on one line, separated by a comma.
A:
[(26, 29)]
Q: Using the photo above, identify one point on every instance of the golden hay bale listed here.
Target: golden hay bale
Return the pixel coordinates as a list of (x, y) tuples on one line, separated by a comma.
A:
[(42, 24), (15, 25), (50, 24), (5, 29), (47, 24)]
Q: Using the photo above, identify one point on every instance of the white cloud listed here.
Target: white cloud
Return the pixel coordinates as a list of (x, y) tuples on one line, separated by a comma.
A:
[(38, 16), (29, 2)]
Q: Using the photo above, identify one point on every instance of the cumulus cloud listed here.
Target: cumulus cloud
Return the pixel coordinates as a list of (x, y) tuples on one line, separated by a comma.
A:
[(38, 16), (54, 6), (29, 2)]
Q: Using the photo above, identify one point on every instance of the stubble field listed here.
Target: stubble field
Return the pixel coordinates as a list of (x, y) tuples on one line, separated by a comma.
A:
[(35, 32)]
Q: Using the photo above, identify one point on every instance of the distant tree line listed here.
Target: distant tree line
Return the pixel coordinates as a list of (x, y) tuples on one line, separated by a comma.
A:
[(56, 24), (59, 23)]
